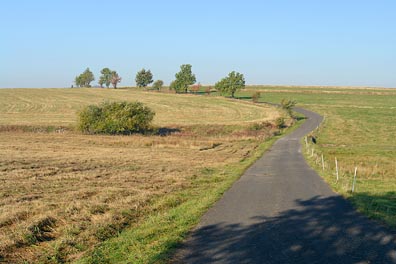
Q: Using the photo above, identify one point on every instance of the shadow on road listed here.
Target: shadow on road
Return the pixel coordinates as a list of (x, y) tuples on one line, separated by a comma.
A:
[(318, 230)]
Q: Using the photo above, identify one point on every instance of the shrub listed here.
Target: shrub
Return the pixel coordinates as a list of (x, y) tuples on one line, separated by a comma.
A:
[(208, 90), (115, 118), (256, 97), (288, 105), (195, 88), (260, 126)]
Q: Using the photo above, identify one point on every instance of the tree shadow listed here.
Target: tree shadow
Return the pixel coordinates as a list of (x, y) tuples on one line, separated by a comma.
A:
[(243, 97), (166, 131), (317, 230), (198, 92), (299, 118)]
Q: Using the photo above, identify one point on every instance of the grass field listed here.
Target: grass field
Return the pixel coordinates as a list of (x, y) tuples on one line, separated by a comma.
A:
[(64, 195), (360, 131)]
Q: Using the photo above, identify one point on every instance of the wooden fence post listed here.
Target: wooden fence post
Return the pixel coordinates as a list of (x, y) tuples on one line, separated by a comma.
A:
[(354, 180)]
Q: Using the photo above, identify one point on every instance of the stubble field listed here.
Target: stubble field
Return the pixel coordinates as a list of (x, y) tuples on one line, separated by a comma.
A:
[(65, 195)]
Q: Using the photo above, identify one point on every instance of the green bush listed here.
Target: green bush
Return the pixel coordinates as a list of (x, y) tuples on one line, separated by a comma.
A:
[(115, 118), (288, 105)]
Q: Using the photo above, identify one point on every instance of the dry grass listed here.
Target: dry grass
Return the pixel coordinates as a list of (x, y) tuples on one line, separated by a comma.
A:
[(63, 193), (58, 107)]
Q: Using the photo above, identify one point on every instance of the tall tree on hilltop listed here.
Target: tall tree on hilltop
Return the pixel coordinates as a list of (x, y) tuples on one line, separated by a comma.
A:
[(101, 82), (78, 81), (230, 84), (84, 79), (143, 78), (184, 78), (115, 79), (105, 78)]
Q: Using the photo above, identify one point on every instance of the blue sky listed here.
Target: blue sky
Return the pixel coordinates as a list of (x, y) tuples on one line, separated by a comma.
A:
[(329, 42)]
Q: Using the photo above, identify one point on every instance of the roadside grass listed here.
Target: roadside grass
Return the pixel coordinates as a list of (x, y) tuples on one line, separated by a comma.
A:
[(64, 193), (360, 131), (152, 240)]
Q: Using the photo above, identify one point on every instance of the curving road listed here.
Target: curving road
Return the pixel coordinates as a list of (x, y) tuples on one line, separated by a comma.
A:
[(281, 211)]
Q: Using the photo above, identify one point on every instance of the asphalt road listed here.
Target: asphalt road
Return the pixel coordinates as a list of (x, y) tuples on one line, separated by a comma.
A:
[(281, 211)]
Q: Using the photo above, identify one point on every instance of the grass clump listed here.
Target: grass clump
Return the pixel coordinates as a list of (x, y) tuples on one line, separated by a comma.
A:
[(115, 118), (280, 122), (39, 231)]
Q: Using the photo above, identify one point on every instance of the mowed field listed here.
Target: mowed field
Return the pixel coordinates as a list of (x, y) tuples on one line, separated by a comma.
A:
[(58, 107), (66, 196), (360, 131)]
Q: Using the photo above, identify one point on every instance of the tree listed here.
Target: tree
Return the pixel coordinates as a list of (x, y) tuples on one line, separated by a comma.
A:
[(173, 85), (143, 78), (230, 84), (184, 78), (88, 77), (157, 85), (101, 82), (105, 78), (78, 81), (115, 79), (84, 79)]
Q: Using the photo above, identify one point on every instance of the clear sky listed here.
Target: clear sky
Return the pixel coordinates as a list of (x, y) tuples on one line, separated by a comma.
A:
[(294, 42)]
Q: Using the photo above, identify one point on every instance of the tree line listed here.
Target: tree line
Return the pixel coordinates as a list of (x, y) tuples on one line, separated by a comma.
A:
[(228, 85), (106, 78)]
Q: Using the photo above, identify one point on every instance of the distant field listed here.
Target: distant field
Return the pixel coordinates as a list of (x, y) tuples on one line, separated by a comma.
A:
[(63, 193), (359, 130), (58, 107), (323, 89)]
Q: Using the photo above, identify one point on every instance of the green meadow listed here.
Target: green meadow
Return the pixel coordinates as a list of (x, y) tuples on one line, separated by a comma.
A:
[(359, 130)]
